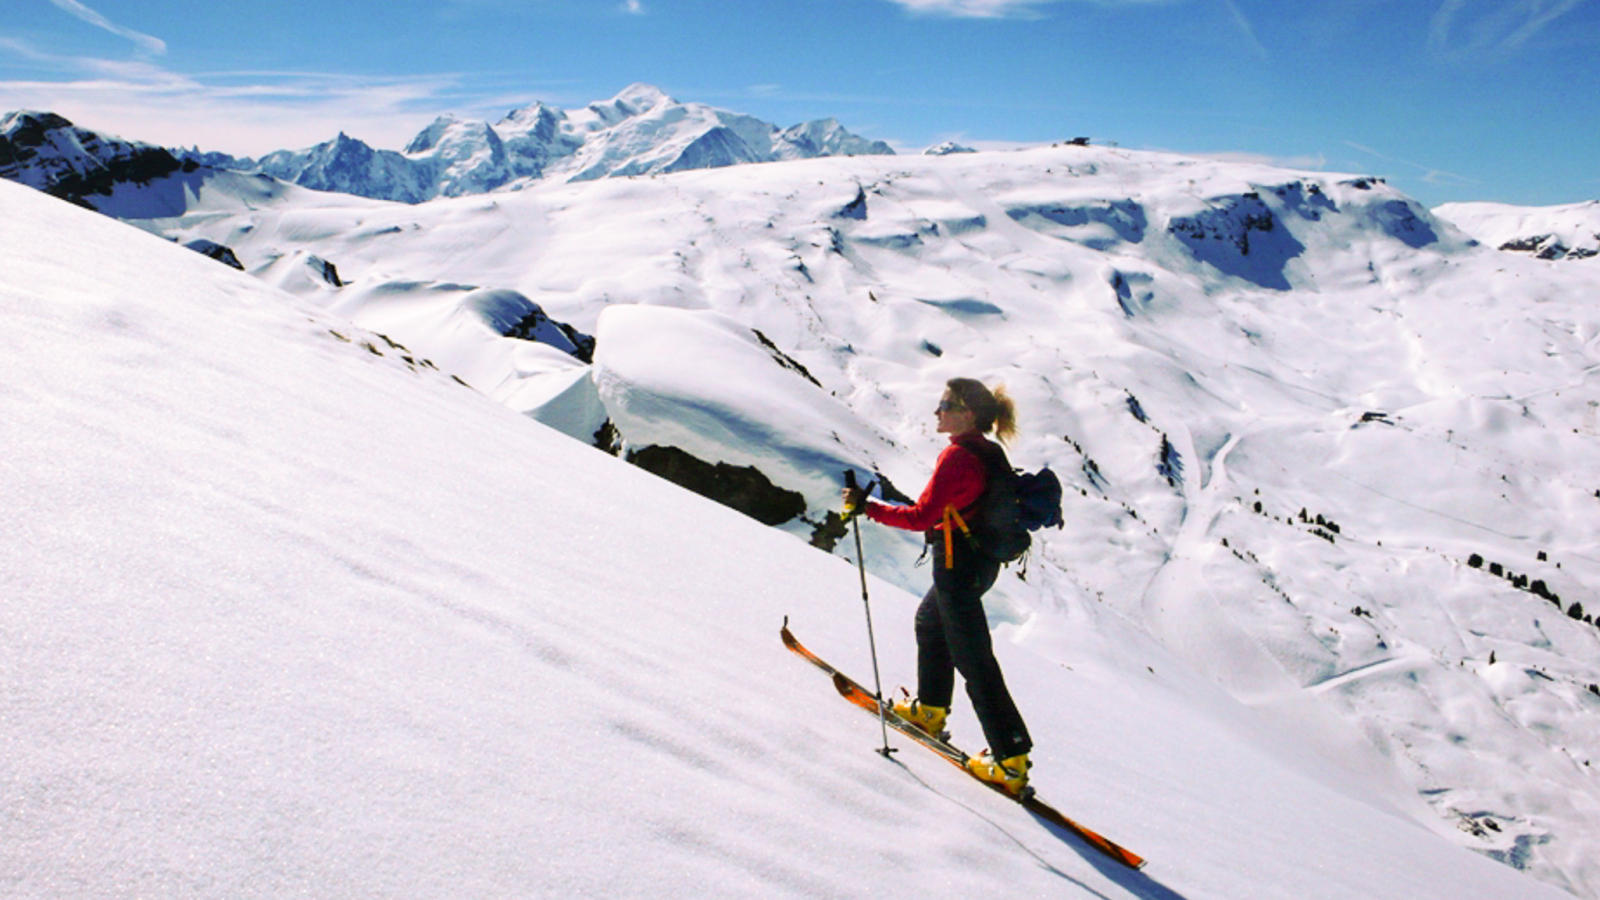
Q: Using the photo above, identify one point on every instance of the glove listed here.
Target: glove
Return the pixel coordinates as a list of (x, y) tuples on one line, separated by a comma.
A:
[(855, 501)]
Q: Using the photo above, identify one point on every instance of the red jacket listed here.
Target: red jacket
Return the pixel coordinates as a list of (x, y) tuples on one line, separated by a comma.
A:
[(959, 478)]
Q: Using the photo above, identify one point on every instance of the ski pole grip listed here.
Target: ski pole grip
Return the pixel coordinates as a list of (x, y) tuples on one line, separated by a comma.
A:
[(851, 485)]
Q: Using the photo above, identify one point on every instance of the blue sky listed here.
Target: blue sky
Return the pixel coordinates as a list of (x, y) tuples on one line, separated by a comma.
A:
[(1448, 99)]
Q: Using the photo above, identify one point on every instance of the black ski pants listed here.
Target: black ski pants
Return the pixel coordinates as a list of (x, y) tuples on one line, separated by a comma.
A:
[(953, 636)]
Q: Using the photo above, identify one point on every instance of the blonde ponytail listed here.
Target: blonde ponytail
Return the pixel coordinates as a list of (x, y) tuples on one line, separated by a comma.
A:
[(1005, 416)]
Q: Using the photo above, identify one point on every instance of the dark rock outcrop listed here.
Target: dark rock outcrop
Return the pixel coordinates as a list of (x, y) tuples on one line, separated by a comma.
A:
[(743, 488), (50, 154)]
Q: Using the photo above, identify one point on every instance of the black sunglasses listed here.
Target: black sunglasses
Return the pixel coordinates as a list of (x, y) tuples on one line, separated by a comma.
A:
[(949, 406)]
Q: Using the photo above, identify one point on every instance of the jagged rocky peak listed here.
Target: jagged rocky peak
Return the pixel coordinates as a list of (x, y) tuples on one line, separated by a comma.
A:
[(344, 150), (640, 131), (47, 152), (826, 137), (536, 121), (28, 127), (26, 134)]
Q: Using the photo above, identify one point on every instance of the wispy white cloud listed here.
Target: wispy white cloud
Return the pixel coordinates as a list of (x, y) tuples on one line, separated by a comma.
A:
[(1246, 29), (24, 50), (1536, 15), (1000, 9), (1470, 27), (1443, 21), (152, 45), (244, 113), (1302, 161), (1430, 174), (633, 7), (972, 9)]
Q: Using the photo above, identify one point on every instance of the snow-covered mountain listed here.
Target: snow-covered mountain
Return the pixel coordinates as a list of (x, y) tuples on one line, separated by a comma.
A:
[(641, 131), (348, 166), (1326, 452), (48, 153), (1569, 232), (290, 611), (1323, 446)]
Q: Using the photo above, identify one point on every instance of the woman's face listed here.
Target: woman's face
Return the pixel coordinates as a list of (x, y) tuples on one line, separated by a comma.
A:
[(953, 417)]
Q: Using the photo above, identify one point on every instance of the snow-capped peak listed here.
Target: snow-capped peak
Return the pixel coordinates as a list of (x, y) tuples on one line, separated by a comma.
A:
[(639, 98), (429, 137), (47, 152), (536, 117), (826, 137), (30, 119), (634, 100), (641, 130)]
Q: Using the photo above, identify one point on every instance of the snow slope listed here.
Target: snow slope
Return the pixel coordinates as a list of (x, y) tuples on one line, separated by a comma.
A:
[(1320, 444), (290, 612), (1568, 231)]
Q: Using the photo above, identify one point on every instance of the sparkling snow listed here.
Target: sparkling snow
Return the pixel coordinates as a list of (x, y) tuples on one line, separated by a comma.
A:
[(301, 613)]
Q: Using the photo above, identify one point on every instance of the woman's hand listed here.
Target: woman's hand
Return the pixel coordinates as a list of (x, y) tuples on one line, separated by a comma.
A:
[(853, 498)]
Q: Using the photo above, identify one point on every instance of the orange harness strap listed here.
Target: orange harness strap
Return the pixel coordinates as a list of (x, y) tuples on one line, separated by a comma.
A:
[(952, 514)]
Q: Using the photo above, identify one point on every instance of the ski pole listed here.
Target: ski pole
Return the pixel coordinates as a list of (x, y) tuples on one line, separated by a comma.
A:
[(851, 513)]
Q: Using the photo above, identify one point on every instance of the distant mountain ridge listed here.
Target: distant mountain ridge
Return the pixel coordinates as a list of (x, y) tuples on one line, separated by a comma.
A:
[(640, 131), (1566, 232)]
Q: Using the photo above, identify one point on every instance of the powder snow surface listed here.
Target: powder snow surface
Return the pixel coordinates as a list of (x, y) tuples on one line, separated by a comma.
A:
[(296, 612), (1291, 409)]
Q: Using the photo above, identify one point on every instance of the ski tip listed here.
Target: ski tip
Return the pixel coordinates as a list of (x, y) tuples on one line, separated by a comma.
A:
[(1125, 856)]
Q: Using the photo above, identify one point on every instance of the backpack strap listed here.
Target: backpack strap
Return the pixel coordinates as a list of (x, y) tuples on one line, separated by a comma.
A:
[(953, 515)]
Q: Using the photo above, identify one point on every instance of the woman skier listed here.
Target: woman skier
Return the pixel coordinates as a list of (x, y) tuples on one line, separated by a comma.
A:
[(952, 632)]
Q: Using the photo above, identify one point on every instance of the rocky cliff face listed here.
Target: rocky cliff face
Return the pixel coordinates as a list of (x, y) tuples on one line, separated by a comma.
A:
[(50, 154), (348, 166)]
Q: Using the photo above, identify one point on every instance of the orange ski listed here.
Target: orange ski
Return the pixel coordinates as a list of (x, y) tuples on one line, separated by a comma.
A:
[(1030, 801)]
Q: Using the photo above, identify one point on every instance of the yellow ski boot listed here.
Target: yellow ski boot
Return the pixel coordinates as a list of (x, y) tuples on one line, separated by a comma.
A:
[(1010, 774), (928, 718)]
